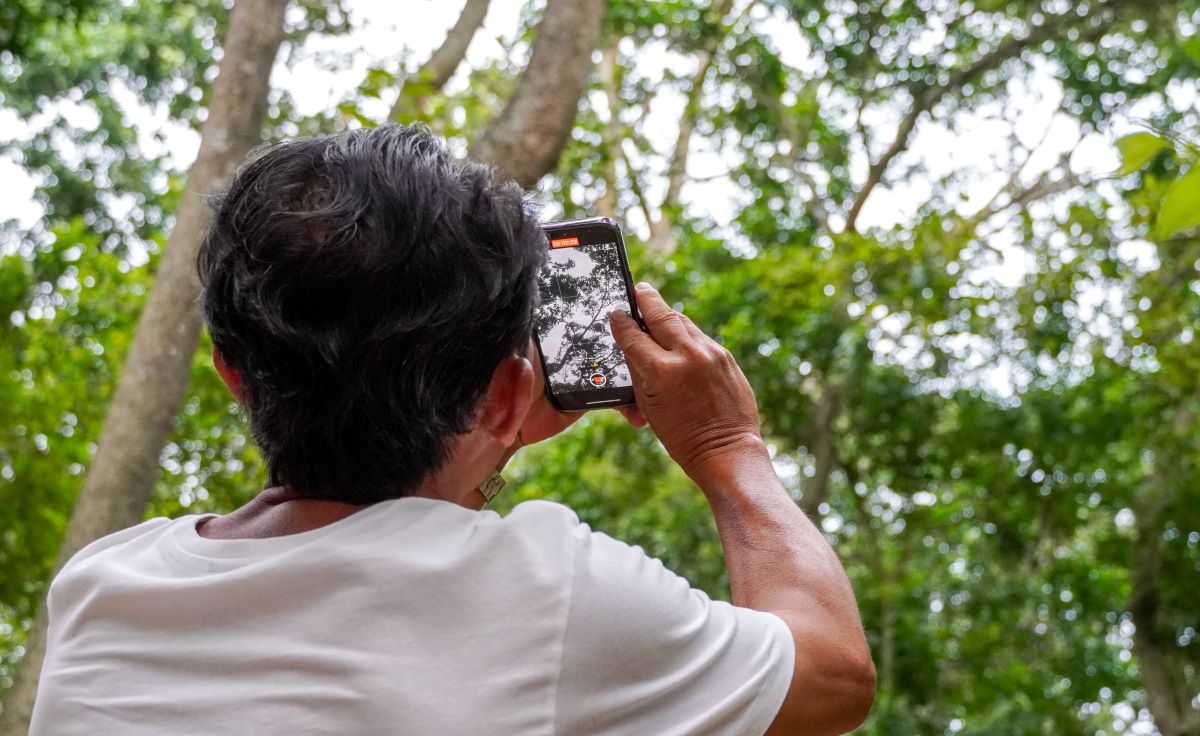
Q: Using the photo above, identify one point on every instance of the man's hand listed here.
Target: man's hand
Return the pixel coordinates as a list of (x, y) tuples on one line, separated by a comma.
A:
[(544, 421), (690, 388)]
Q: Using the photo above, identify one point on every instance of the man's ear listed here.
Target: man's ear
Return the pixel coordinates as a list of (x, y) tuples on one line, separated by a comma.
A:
[(508, 398), (232, 379)]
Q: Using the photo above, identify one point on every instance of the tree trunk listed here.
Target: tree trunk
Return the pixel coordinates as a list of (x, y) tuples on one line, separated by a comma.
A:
[(821, 447), (1168, 697), (121, 477), (527, 138), (434, 73), (887, 635)]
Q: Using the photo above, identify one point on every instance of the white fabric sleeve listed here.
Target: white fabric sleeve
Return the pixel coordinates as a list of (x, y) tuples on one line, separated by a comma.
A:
[(645, 653)]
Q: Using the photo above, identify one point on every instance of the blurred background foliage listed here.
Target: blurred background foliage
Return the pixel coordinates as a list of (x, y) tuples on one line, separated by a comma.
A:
[(1006, 463)]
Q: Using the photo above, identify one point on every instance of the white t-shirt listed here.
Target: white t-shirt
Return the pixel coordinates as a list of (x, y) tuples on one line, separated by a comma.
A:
[(413, 616)]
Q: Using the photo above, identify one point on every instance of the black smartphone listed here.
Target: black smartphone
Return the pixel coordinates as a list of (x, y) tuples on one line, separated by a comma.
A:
[(586, 278)]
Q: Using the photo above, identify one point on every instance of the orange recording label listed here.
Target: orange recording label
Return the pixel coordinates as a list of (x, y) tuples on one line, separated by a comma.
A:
[(564, 242)]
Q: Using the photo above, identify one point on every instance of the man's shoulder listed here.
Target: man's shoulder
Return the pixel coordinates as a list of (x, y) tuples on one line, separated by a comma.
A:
[(82, 566), (540, 512), (151, 528), (546, 525)]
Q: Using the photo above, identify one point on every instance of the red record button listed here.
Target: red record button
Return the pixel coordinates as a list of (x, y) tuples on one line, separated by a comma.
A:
[(599, 379)]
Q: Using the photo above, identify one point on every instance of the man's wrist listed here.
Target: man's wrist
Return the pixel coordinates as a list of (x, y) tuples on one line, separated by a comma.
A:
[(723, 469)]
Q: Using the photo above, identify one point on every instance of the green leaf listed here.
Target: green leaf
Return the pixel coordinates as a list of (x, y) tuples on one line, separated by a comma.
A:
[(1191, 47), (1137, 149), (1181, 207)]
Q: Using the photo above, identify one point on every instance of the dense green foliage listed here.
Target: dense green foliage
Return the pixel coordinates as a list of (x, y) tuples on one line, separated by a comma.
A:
[(1005, 466)]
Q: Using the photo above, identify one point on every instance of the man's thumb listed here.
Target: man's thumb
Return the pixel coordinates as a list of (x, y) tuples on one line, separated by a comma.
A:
[(627, 333)]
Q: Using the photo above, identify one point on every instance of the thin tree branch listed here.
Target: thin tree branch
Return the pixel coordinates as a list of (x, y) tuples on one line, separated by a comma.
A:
[(607, 205), (413, 100), (816, 207), (710, 177), (1055, 180), (859, 126), (1014, 178), (677, 169), (662, 238), (926, 98), (635, 185)]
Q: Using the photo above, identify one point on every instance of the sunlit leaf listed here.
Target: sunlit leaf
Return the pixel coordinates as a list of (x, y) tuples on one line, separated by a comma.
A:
[(1137, 150), (1181, 207)]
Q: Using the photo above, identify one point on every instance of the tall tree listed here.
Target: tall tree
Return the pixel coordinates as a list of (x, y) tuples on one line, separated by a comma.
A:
[(122, 475)]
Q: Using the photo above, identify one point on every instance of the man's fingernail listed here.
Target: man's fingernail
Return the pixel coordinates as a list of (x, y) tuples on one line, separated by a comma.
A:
[(644, 286), (620, 315)]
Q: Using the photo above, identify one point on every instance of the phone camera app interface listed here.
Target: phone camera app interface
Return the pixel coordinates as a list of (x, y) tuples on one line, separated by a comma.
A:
[(581, 286)]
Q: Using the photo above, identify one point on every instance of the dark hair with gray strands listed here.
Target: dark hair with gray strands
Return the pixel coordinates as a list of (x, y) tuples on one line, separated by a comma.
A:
[(366, 286)]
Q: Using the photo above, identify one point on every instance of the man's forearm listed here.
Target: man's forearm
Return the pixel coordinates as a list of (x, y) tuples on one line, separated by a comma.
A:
[(779, 562), (777, 558)]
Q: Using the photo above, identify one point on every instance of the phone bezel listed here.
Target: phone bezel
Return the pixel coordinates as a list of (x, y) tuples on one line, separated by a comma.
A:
[(596, 398)]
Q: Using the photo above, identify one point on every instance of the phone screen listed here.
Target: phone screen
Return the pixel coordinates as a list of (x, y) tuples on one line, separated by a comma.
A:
[(584, 281)]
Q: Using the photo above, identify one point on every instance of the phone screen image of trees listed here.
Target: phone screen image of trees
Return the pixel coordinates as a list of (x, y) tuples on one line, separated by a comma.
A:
[(580, 289)]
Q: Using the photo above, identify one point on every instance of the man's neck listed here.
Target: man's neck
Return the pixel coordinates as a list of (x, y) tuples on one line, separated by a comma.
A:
[(279, 511), (276, 512)]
